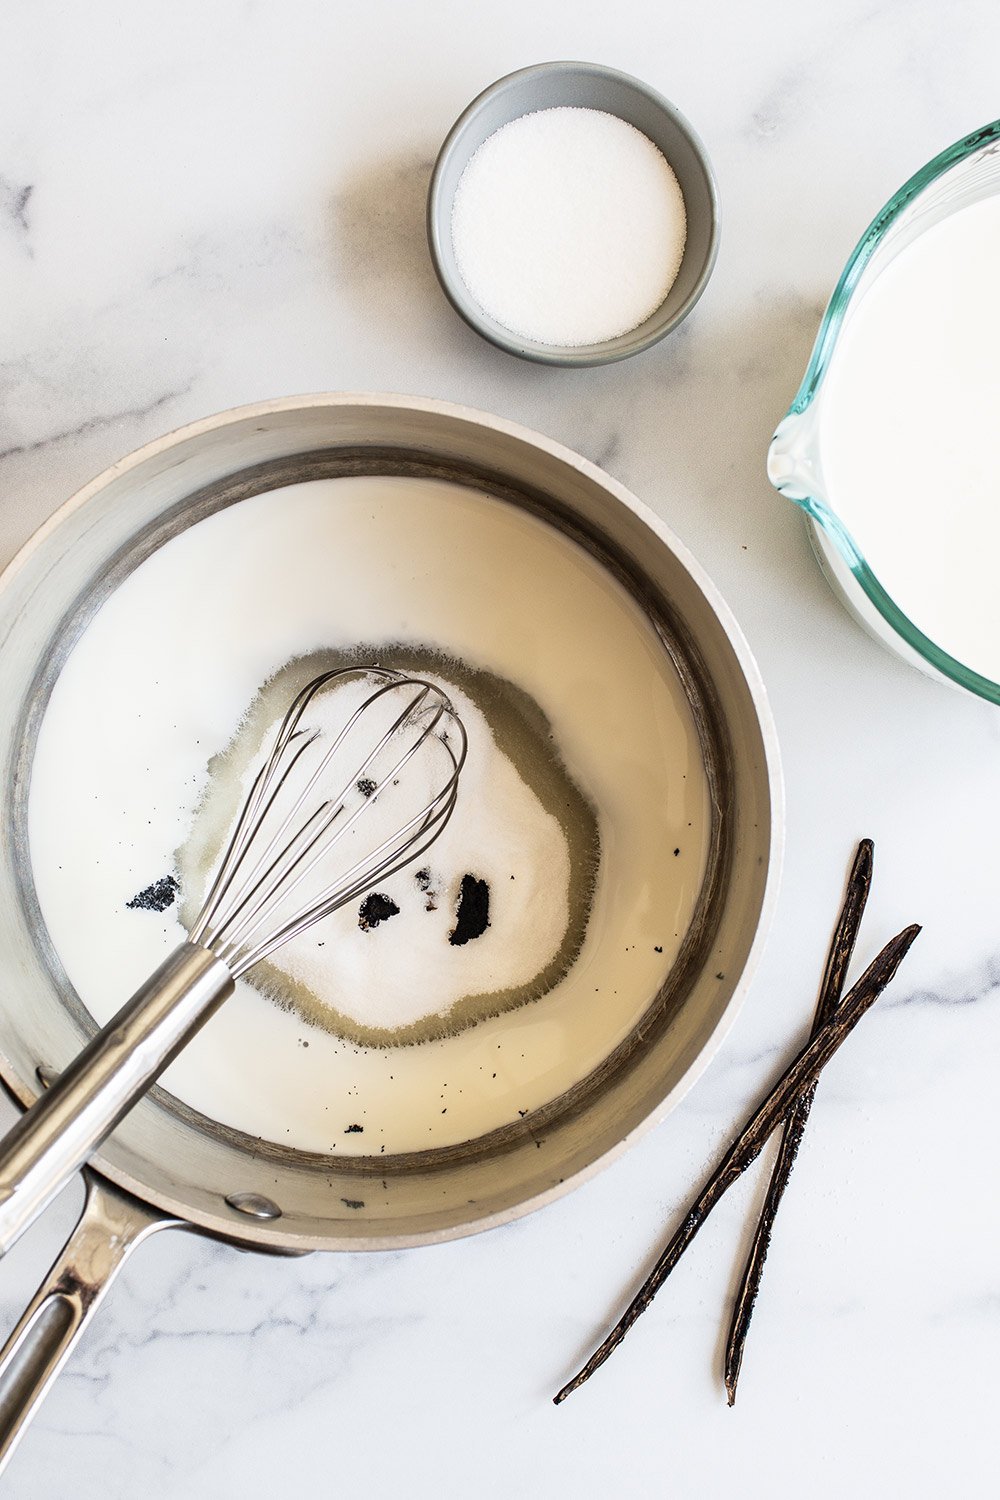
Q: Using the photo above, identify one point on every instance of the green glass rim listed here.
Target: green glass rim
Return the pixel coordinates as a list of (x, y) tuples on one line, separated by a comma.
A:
[(826, 338)]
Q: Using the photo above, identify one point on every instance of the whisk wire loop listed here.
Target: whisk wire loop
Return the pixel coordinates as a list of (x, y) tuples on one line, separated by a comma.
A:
[(264, 879), (262, 867), (287, 871)]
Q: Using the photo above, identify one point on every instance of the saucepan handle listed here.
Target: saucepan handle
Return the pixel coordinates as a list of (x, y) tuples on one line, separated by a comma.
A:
[(111, 1226), (67, 1123)]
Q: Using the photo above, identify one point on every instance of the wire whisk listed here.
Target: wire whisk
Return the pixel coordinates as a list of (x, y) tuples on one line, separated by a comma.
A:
[(348, 794)]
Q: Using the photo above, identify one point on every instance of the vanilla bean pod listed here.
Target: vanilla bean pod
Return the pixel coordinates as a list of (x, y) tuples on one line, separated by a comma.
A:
[(831, 989), (797, 1078)]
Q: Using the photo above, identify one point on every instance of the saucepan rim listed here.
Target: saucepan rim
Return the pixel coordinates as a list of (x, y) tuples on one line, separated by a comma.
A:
[(273, 1234)]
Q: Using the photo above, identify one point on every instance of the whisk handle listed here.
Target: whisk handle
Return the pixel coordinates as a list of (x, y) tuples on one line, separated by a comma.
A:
[(62, 1129)]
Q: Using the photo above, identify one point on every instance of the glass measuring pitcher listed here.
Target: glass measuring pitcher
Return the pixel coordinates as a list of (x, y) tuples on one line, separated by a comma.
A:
[(961, 176)]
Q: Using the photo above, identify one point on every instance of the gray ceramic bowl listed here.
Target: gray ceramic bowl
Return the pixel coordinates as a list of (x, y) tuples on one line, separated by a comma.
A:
[(548, 86)]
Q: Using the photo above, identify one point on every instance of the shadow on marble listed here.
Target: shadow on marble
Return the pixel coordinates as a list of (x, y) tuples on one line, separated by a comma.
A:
[(379, 242)]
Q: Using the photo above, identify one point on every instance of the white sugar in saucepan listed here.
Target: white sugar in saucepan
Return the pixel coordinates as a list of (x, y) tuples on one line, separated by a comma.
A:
[(394, 971), (569, 226)]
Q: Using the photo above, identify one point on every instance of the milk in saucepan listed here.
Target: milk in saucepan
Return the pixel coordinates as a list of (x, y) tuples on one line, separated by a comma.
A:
[(154, 698), (909, 435)]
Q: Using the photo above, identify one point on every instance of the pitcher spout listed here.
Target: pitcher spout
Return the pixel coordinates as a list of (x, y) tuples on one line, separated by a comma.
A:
[(793, 461)]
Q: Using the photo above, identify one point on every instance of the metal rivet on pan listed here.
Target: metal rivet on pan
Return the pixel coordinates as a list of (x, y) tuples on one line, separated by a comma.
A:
[(254, 1205), (46, 1075)]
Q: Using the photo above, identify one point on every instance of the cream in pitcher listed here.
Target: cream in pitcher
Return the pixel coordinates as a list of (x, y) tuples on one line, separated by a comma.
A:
[(893, 444)]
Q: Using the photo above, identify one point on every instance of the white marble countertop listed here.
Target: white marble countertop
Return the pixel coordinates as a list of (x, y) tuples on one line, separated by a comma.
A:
[(206, 205)]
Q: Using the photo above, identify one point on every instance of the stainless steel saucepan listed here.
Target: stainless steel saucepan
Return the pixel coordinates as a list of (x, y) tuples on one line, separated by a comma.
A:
[(166, 1165)]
